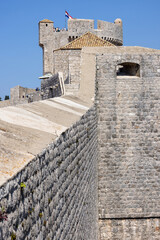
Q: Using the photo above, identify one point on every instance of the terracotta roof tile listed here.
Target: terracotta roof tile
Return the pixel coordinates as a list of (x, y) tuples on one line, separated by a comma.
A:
[(87, 40), (46, 21)]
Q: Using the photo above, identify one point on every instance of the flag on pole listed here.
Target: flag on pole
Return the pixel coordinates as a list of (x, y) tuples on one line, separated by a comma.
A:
[(67, 15)]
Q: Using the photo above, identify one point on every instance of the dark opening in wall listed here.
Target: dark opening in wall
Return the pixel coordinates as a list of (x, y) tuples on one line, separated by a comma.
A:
[(70, 39), (46, 25), (128, 69), (50, 92)]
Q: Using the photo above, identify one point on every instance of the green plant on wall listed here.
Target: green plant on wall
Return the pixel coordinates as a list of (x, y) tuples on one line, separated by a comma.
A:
[(22, 185), (13, 236)]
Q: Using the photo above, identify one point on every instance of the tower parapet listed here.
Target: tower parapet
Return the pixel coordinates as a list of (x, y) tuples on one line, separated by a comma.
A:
[(80, 25), (51, 38), (111, 32)]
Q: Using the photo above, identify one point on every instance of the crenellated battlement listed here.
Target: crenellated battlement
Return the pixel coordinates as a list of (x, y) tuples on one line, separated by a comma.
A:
[(52, 38), (106, 30)]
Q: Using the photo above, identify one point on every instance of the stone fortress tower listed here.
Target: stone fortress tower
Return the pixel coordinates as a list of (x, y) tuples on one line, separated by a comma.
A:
[(51, 38), (100, 177)]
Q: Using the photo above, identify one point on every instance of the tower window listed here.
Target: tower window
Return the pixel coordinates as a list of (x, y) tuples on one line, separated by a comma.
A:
[(46, 25), (128, 69)]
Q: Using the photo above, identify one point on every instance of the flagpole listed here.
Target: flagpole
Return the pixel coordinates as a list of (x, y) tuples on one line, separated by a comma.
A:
[(65, 19)]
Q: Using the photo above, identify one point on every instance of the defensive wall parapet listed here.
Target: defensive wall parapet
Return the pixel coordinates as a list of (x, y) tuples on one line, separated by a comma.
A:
[(77, 27), (106, 30), (55, 195), (128, 124), (21, 95)]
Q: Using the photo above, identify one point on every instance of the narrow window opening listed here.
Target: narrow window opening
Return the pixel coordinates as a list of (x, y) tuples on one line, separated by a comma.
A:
[(46, 25), (128, 69)]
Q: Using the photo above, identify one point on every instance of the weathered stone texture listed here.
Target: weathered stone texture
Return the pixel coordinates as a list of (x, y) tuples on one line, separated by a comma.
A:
[(130, 229), (68, 62), (80, 26), (47, 44), (61, 62), (59, 201), (110, 32), (129, 140)]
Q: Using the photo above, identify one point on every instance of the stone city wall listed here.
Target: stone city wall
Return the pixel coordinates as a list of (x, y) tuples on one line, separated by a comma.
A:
[(34, 96), (5, 103), (21, 95), (129, 229), (55, 196), (129, 141)]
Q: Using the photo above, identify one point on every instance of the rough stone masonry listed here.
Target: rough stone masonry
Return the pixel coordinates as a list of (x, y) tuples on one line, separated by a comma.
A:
[(129, 142), (54, 197)]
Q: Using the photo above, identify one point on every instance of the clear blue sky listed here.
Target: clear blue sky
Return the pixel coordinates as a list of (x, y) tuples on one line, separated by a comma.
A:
[(21, 56)]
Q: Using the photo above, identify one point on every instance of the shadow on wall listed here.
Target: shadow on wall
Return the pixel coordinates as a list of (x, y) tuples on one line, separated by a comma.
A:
[(128, 69)]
